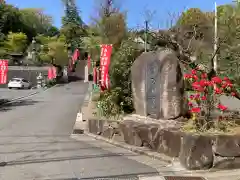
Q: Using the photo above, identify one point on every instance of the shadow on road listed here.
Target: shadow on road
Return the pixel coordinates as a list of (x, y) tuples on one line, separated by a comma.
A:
[(74, 78), (3, 101), (10, 105), (58, 159)]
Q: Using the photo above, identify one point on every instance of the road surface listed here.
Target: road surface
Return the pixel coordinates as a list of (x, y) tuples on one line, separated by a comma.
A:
[(10, 94), (35, 142)]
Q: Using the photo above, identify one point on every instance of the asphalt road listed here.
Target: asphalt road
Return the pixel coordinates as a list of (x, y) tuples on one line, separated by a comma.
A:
[(10, 94), (35, 142)]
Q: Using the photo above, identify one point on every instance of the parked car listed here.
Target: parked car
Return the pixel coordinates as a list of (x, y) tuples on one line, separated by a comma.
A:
[(19, 83)]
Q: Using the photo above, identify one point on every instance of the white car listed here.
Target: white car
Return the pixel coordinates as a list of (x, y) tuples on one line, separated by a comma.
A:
[(19, 83)]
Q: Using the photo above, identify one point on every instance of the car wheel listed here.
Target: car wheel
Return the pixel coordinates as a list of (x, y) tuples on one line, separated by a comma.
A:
[(9, 88)]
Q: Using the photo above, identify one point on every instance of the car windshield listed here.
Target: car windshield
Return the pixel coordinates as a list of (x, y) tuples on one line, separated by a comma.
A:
[(16, 80)]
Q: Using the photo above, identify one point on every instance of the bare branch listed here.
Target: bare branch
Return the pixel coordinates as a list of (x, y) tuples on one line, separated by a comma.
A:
[(193, 37)]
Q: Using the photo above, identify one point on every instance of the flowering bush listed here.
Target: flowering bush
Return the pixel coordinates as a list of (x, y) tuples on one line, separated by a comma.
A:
[(203, 102)]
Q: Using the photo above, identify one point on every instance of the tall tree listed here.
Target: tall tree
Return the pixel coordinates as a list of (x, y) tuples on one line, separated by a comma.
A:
[(111, 22), (72, 25), (36, 22)]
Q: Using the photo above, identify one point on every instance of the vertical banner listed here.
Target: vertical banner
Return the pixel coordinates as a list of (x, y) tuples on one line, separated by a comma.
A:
[(89, 62), (54, 72), (50, 73), (3, 71), (105, 57), (75, 56)]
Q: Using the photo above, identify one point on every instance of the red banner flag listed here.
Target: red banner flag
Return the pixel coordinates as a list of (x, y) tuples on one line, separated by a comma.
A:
[(50, 73), (89, 61), (106, 51), (54, 71), (3, 71), (75, 56)]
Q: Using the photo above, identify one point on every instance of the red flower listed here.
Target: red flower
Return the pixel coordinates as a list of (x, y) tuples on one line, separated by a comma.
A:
[(204, 75), (209, 83), (190, 104), (195, 110), (224, 85), (197, 96), (194, 72), (217, 80), (195, 77), (222, 107), (233, 93), (218, 90), (227, 79), (187, 76), (204, 98), (203, 83), (192, 97), (197, 87)]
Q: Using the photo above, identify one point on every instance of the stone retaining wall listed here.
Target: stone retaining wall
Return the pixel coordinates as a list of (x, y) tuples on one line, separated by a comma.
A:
[(195, 152), (28, 73)]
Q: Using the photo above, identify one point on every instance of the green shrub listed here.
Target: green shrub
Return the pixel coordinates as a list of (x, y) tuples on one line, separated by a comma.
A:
[(51, 83), (118, 100)]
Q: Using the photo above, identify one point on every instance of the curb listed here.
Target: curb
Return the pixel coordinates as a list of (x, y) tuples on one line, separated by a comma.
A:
[(79, 118), (139, 150)]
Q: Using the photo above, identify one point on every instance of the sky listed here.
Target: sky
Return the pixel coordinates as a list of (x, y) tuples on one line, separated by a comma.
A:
[(161, 11)]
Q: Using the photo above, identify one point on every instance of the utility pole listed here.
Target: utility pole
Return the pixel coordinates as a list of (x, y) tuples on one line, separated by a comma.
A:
[(145, 35), (215, 40)]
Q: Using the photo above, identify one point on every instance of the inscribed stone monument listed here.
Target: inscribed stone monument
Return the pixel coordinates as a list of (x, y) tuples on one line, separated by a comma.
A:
[(157, 85)]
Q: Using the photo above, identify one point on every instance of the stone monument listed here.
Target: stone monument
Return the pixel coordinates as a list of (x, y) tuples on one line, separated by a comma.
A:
[(157, 84)]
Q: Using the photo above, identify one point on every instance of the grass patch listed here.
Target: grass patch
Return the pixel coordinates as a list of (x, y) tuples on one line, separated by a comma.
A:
[(222, 128)]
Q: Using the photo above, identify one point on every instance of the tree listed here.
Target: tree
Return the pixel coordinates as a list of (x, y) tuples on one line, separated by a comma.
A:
[(58, 52), (36, 22), (229, 28), (9, 19), (72, 25), (16, 42), (110, 27)]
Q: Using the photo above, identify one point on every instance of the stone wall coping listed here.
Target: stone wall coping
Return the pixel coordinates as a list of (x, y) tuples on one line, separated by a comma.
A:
[(149, 120)]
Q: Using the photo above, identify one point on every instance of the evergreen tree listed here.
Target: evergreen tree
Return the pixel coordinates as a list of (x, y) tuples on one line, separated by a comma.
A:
[(72, 25)]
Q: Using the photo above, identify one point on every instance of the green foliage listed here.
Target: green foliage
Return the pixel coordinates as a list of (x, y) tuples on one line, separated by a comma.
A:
[(10, 19), (51, 83), (36, 22), (52, 49), (113, 28), (16, 42), (72, 25), (108, 104), (19, 26), (193, 17), (58, 52), (119, 100), (110, 28)]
